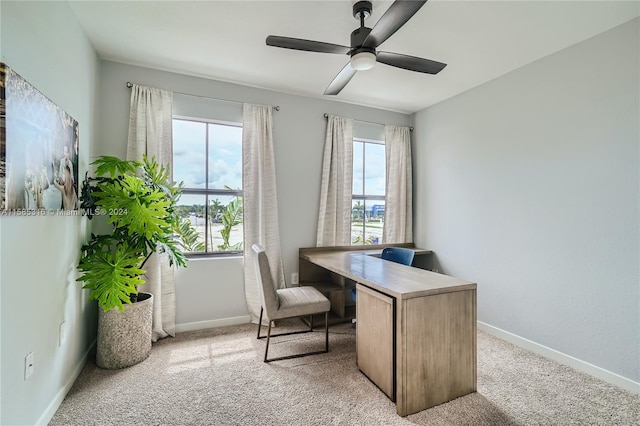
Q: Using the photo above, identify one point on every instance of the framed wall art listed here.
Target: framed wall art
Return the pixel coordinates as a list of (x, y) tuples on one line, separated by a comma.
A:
[(39, 145)]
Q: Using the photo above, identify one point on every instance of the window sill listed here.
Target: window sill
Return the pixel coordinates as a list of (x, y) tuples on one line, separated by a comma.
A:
[(225, 255)]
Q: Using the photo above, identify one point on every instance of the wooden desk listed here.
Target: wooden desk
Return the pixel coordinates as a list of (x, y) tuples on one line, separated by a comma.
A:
[(416, 330), (335, 282)]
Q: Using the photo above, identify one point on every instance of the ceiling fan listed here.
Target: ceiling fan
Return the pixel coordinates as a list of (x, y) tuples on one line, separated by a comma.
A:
[(364, 42)]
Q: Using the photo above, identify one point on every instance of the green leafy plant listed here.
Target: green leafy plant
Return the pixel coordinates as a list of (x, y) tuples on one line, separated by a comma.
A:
[(139, 201), (190, 237), (231, 216)]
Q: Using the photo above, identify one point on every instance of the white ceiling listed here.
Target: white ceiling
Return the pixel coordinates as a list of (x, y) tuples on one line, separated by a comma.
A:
[(225, 40)]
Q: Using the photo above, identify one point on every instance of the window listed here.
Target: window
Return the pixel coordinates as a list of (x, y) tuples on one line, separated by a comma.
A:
[(367, 213), (207, 158)]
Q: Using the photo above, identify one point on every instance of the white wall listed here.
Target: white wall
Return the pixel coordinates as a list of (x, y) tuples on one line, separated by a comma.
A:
[(528, 185), (212, 290), (210, 293), (43, 43)]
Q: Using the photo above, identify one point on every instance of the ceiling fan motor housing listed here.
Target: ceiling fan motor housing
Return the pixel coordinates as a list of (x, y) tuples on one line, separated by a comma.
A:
[(358, 36)]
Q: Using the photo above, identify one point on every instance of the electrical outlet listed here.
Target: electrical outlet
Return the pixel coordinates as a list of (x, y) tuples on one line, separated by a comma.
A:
[(28, 365), (62, 333), (295, 278)]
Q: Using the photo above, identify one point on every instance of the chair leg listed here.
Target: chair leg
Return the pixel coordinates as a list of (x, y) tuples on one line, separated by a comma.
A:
[(260, 321), (326, 331), (266, 348), (268, 337)]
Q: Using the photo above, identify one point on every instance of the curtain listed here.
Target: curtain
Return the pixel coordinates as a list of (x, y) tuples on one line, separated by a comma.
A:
[(150, 134), (334, 216), (398, 224), (260, 209)]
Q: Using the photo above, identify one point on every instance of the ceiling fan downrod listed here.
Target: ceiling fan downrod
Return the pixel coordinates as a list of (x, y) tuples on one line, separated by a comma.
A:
[(361, 11)]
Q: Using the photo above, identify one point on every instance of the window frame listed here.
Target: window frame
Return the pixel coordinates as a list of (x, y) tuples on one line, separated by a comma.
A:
[(207, 192), (364, 197)]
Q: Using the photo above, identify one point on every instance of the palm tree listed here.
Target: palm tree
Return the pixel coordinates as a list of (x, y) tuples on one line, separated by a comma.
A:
[(359, 208), (231, 217), (215, 207)]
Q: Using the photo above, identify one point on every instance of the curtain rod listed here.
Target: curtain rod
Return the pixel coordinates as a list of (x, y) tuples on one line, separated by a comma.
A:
[(277, 108), (370, 122)]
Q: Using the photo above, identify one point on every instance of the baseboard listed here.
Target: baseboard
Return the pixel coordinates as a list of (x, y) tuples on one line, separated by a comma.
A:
[(53, 406), (202, 325), (568, 360)]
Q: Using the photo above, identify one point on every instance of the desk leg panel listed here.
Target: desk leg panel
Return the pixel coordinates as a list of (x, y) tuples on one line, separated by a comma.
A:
[(437, 347), (375, 338)]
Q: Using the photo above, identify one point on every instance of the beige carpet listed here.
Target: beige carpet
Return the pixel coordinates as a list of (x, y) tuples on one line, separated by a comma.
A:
[(217, 377)]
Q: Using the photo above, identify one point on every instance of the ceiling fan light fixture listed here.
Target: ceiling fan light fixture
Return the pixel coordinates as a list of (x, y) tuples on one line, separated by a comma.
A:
[(363, 61)]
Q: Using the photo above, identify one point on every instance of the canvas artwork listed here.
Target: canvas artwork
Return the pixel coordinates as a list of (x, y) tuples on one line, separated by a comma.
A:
[(38, 149)]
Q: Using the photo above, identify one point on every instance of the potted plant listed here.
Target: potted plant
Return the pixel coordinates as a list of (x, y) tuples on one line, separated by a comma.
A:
[(139, 201)]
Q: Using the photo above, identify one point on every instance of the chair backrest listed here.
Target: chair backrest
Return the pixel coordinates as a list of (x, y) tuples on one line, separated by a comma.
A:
[(267, 291), (398, 255)]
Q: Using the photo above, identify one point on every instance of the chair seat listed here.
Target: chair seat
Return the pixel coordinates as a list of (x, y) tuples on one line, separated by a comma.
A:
[(299, 301)]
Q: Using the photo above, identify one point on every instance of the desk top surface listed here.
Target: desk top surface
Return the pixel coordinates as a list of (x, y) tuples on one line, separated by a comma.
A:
[(391, 278)]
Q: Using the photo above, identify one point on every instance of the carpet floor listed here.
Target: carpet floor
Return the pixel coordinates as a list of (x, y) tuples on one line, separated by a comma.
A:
[(217, 377)]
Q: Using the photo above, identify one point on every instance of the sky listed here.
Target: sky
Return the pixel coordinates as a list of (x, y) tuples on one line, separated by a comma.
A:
[(189, 155), (225, 160), (372, 180)]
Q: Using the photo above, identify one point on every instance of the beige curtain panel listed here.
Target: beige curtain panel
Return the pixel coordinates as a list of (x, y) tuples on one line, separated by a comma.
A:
[(260, 201), (150, 134), (334, 216), (398, 222)]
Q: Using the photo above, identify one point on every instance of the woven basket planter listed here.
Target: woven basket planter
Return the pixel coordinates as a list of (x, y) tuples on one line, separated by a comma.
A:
[(124, 338)]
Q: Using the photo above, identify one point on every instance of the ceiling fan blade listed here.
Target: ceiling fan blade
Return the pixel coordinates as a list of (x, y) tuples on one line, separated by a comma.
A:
[(395, 17), (341, 80), (410, 63), (307, 45)]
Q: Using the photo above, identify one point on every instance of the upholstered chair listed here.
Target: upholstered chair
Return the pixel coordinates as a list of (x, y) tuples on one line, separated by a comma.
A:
[(287, 303)]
